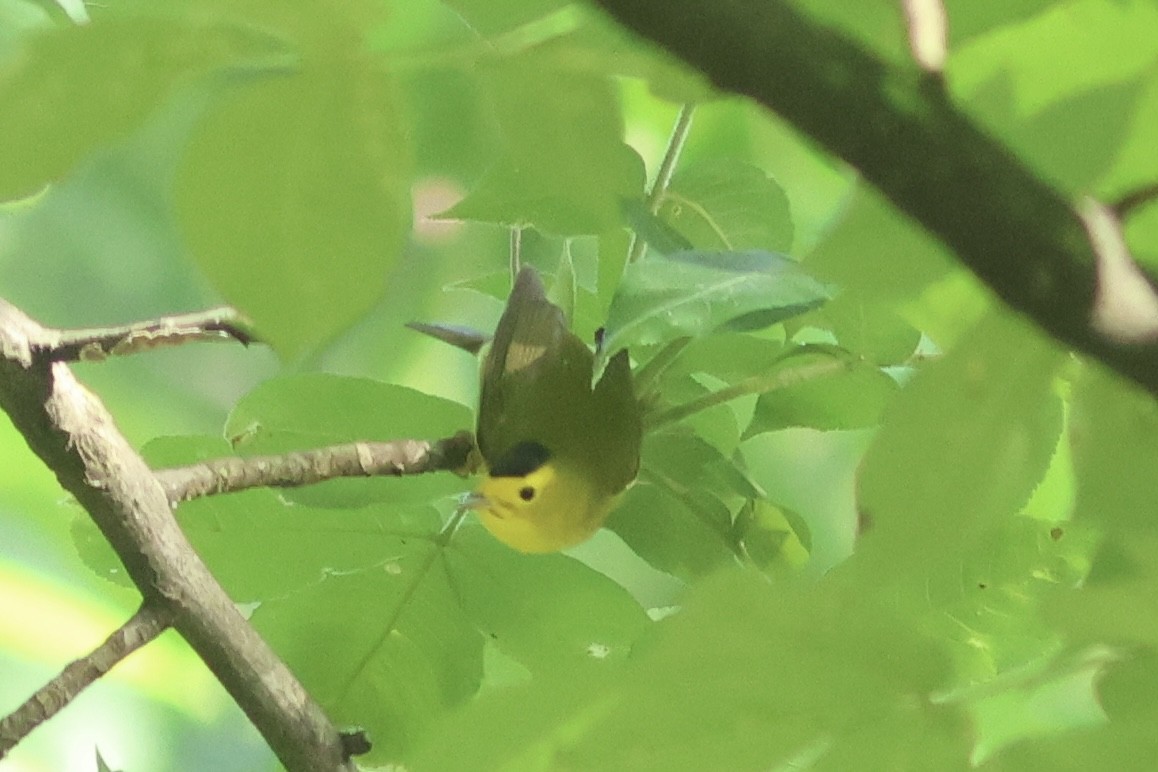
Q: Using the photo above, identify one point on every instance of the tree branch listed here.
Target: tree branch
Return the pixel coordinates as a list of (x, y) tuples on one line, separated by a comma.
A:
[(101, 342), (897, 127), (151, 620), (73, 434), (306, 467)]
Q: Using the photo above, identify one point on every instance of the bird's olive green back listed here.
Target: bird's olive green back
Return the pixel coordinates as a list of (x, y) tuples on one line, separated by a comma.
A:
[(536, 387)]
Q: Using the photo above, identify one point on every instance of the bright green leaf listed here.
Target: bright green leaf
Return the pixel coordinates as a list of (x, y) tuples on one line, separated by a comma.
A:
[(76, 89), (293, 196), (385, 648)]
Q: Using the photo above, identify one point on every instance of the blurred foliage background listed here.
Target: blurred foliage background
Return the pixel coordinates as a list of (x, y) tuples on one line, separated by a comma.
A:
[(294, 161)]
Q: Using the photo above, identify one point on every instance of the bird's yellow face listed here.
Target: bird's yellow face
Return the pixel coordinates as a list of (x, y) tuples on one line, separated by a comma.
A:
[(548, 509)]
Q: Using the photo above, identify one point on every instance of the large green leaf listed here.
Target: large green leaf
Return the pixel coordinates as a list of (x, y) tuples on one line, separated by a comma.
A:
[(850, 398), (747, 676), (573, 619), (695, 293), (73, 90), (491, 17), (970, 18), (962, 446), (294, 198)]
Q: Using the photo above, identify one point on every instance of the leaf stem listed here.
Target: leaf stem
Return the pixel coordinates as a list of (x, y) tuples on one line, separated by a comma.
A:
[(675, 145)]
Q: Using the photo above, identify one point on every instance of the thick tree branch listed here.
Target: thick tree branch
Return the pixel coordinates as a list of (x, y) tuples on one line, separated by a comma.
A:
[(306, 467), (151, 620), (898, 128), (73, 434)]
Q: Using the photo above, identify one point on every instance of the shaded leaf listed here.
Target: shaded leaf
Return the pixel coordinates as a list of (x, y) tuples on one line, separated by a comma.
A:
[(851, 398), (694, 293), (554, 626), (725, 204), (385, 647), (870, 329), (660, 236)]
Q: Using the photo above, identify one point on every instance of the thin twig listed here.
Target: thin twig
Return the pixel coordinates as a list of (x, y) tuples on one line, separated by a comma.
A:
[(150, 621), (307, 467), (94, 344), (1135, 199), (757, 384), (667, 165)]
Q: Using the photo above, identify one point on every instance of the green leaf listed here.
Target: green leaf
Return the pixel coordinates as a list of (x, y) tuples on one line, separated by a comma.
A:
[(746, 676), (971, 18), (1118, 427), (566, 171), (725, 204), (385, 648), (1127, 692), (870, 329), (74, 90), (694, 293), (490, 17), (549, 612), (660, 236), (772, 537), (293, 196), (852, 398), (1067, 122), (729, 356), (676, 517), (879, 253), (963, 446)]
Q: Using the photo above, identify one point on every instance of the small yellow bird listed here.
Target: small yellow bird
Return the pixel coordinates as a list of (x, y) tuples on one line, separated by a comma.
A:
[(558, 451)]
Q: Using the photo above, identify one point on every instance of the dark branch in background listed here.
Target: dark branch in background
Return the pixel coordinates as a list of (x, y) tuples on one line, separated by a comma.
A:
[(899, 129), (103, 342), (150, 621), (306, 467), (75, 437), (1135, 200)]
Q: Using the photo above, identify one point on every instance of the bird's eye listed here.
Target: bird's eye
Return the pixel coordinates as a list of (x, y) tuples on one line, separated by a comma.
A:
[(526, 493)]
